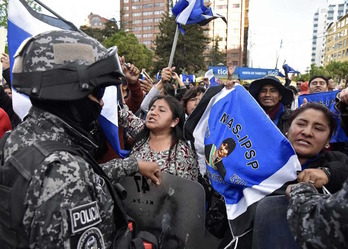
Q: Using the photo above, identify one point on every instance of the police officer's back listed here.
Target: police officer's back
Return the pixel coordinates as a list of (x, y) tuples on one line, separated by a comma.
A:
[(67, 201)]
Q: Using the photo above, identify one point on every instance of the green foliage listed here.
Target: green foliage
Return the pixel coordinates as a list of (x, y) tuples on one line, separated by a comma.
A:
[(335, 69), (101, 34), (129, 47), (338, 70), (3, 11), (189, 50), (318, 71), (215, 55)]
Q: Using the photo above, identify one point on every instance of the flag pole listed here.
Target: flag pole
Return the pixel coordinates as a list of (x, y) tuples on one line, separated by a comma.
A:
[(176, 36)]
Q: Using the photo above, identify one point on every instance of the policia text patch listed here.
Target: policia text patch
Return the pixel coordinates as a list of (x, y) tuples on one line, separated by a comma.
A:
[(84, 216)]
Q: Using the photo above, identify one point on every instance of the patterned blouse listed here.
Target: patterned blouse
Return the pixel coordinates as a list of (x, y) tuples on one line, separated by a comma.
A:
[(183, 161)]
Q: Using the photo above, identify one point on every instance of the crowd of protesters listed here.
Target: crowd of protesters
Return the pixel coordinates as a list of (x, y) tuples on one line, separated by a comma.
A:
[(151, 126)]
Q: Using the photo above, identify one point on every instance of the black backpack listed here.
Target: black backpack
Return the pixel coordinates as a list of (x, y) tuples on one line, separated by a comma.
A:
[(15, 176)]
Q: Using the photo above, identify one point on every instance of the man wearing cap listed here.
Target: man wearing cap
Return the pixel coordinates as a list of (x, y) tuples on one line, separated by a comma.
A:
[(318, 84), (273, 97)]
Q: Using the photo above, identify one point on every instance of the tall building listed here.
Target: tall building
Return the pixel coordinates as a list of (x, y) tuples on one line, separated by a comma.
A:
[(337, 41), (232, 36), (323, 17), (142, 18)]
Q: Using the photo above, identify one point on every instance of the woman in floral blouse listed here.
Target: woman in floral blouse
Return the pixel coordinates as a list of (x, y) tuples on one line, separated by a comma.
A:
[(160, 138)]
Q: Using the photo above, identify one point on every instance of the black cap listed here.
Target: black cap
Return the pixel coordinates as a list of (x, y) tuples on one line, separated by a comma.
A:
[(255, 87)]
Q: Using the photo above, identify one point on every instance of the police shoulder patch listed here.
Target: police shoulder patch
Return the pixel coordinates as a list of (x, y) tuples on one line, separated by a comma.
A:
[(91, 238), (84, 216)]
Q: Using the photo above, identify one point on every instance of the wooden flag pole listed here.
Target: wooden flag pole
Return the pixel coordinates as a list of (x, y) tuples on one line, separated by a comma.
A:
[(176, 36)]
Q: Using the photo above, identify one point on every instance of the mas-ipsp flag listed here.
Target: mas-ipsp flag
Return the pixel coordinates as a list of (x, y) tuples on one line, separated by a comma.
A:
[(210, 75), (327, 99), (24, 22), (194, 11), (245, 154)]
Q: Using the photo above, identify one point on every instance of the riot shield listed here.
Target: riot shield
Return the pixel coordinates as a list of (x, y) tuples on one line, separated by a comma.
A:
[(174, 211)]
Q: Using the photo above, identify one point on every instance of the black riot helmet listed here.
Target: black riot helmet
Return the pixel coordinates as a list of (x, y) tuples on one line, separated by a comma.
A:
[(64, 65)]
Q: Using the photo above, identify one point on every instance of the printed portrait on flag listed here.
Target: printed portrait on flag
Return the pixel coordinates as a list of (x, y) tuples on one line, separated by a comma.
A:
[(214, 155)]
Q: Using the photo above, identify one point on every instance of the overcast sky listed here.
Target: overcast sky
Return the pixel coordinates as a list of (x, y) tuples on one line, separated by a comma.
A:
[(291, 21), (270, 22)]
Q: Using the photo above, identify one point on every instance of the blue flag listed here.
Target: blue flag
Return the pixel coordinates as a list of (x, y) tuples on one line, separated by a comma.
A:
[(194, 11), (289, 69), (24, 22), (187, 78), (327, 99), (210, 75), (245, 154)]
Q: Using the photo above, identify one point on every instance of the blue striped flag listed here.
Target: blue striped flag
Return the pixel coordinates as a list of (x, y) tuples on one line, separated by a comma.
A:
[(194, 11), (245, 155), (24, 22), (210, 75)]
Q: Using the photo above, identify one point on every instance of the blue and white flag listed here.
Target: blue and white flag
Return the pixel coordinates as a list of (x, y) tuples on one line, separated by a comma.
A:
[(289, 69), (210, 75), (245, 154), (194, 11), (187, 78), (327, 99), (24, 22)]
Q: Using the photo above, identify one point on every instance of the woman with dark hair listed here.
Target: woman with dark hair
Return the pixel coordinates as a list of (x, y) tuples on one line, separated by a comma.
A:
[(191, 98), (311, 128), (160, 138)]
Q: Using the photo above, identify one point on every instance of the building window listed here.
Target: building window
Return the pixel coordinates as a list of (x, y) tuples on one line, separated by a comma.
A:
[(159, 5), (148, 5), (147, 35), (147, 20), (147, 28), (235, 5), (138, 36), (147, 42), (136, 21), (137, 28), (159, 12), (147, 13), (125, 1), (136, 7), (136, 14), (157, 19), (125, 8), (126, 15)]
